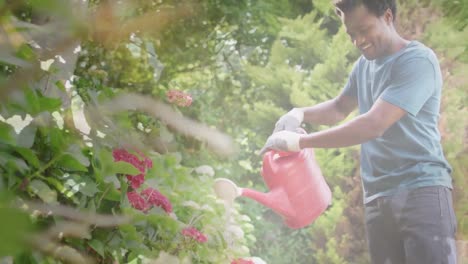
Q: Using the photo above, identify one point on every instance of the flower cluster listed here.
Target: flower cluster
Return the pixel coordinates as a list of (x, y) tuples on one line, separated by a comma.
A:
[(154, 197), (242, 261), (138, 202), (135, 180), (179, 98), (194, 233), (149, 197), (124, 155)]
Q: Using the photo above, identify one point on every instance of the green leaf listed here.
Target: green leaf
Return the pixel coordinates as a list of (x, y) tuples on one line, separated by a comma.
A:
[(163, 221), (134, 259), (246, 165), (113, 195), (124, 168), (98, 246), (75, 151), (27, 136), (6, 133), (69, 162), (110, 167), (129, 232), (51, 6), (56, 183), (13, 163), (56, 139), (14, 225), (42, 190), (60, 85), (49, 104), (32, 102), (123, 192), (89, 188), (112, 179), (29, 155), (20, 165), (25, 52)]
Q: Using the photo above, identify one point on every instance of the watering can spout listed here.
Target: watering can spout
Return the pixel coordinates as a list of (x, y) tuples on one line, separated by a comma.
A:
[(276, 199)]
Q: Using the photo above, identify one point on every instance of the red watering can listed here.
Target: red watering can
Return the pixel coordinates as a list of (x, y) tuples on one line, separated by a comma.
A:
[(298, 191)]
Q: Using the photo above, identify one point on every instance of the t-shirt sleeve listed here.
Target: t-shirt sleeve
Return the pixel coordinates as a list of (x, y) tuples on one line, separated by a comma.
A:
[(413, 83), (350, 88)]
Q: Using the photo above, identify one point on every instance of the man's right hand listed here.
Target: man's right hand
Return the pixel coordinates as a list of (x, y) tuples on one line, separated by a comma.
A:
[(290, 121)]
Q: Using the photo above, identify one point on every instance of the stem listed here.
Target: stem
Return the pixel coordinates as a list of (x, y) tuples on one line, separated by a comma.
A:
[(102, 196), (41, 170)]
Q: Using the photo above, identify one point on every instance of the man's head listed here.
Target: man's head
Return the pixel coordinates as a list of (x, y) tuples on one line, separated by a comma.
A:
[(369, 23)]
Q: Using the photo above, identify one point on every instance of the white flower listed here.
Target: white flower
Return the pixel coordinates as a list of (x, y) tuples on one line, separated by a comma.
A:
[(235, 230), (45, 65), (77, 49), (18, 123), (205, 169)]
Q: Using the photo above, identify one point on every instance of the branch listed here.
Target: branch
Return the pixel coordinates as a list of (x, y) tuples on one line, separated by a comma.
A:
[(217, 141), (98, 220), (65, 253)]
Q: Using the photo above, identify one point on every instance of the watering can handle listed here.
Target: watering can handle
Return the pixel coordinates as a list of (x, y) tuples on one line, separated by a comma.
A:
[(280, 153)]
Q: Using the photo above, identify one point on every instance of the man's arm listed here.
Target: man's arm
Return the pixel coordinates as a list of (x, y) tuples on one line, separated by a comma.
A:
[(330, 112), (358, 130)]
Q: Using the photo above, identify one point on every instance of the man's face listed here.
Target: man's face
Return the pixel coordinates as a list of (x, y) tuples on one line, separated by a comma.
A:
[(369, 33)]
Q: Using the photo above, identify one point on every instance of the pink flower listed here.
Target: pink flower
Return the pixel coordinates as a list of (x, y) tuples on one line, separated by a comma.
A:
[(138, 202), (179, 98), (148, 163), (156, 198), (242, 261), (124, 155), (193, 233), (145, 163), (136, 181)]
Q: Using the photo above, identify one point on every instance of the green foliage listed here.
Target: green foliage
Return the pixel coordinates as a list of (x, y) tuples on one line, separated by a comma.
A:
[(455, 17), (15, 225), (58, 168), (456, 11), (453, 42)]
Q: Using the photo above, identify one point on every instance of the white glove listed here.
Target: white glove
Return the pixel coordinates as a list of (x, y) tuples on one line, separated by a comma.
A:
[(290, 121), (284, 141)]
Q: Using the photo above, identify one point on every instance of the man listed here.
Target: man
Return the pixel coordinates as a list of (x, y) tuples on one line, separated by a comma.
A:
[(396, 84)]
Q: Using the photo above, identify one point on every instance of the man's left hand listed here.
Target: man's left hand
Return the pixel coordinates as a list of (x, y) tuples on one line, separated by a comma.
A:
[(282, 140)]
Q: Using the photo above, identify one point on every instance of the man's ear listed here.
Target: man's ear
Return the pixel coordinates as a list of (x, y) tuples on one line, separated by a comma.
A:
[(338, 12), (388, 16)]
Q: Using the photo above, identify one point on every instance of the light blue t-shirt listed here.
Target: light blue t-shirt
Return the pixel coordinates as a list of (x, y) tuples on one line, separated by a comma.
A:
[(409, 153)]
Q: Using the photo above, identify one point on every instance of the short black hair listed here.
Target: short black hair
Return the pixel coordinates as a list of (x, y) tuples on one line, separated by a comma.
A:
[(377, 7)]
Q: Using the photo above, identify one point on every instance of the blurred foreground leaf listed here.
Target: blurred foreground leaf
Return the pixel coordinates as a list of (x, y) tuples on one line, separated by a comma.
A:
[(14, 226)]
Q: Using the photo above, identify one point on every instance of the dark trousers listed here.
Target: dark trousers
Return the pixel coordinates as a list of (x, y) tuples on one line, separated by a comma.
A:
[(415, 226)]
